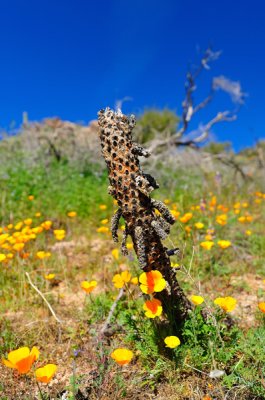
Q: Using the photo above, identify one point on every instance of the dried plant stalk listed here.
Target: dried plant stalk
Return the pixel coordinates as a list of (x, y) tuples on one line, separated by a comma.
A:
[(131, 187)]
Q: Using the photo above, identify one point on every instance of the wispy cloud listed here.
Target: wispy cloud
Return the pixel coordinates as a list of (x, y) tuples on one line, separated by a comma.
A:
[(233, 88)]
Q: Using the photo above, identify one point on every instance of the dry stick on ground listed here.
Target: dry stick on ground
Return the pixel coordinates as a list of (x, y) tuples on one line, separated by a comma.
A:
[(43, 298), (111, 312), (131, 188)]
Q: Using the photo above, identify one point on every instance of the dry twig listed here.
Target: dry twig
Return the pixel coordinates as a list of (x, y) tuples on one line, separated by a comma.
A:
[(43, 298)]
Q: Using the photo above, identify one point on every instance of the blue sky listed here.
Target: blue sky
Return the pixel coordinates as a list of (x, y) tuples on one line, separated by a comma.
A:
[(71, 58)]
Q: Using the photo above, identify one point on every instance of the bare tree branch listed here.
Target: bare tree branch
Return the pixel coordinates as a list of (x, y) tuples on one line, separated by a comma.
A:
[(189, 109), (230, 161), (204, 132), (220, 117)]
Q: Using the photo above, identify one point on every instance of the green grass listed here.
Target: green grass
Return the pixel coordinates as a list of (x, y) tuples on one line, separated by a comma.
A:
[(57, 190)]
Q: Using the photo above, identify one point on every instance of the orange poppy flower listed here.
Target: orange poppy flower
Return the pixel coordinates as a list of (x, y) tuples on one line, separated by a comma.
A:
[(22, 359), (152, 281), (186, 217), (46, 373), (88, 286), (72, 214), (226, 303), (262, 307), (152, 308), (120, 280), (122, 356)]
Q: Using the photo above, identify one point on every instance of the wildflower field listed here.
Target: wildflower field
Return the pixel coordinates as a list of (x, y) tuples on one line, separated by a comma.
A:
[(80, 320)]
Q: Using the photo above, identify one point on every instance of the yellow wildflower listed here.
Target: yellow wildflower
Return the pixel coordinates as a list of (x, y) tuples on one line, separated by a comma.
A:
[(221, 219), (2, 257), (88, 286), (207, 245), (199, 225), (122, 356), (46, 225), (49, 277), (120, 280), (172, 342), (228, 304), (72, 214), (224, 243), (43, 254), (18, 246), (59, 234), (6, 246), (115, 254), (175, 213), (37, 229), (18, 226), (103, 229), (46, 373), (197, 300), (3, 237), (135, 280)]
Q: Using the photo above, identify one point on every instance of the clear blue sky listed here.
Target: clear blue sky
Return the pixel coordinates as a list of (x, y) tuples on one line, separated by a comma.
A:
[(70, 58)]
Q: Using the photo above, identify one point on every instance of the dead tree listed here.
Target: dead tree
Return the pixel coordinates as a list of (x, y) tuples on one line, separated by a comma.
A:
[(131, 187), (185, 137)]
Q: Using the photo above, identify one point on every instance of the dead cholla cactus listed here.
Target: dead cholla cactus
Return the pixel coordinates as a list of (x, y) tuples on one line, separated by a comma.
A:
[(131, 187)]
